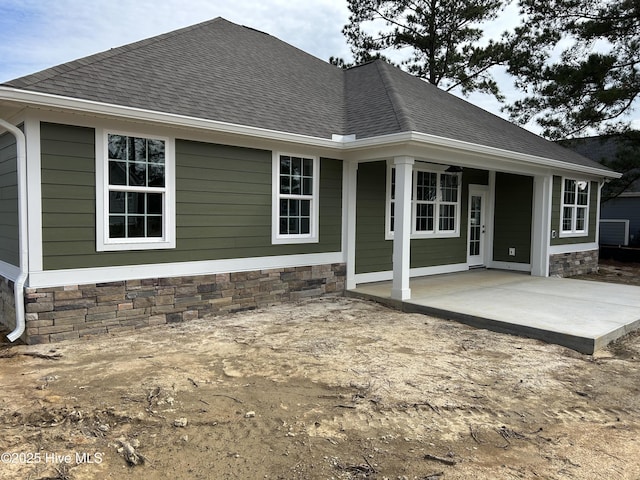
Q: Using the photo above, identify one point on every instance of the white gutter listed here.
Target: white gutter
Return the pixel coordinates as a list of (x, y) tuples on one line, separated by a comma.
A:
[(18, 285), (343, 143)]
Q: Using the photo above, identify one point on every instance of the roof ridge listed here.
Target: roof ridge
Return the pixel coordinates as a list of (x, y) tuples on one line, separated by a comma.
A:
[(72, 65), (401, 112)]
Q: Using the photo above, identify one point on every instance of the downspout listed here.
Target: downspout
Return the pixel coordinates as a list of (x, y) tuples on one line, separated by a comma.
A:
[(18, 286)]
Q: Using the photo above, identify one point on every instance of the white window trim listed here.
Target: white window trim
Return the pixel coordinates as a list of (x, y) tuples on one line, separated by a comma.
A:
[(439, 169), (103, 242), (573, 232), (312, 236)]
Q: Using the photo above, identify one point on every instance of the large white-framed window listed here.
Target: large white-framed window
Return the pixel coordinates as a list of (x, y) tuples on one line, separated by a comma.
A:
[(295, 199), (574, 209), (135, 198), (435, 202)]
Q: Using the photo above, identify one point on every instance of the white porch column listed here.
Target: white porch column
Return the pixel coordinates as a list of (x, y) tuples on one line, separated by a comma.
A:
[(350, 174), (541, 228), (402, 228)]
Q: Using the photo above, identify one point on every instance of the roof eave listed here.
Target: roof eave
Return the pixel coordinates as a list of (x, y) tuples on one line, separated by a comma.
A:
[(434, 140), (46, 100)]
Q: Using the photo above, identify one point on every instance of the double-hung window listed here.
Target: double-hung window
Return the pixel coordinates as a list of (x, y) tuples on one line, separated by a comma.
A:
[(135, 209), (575, 208), (295, 199), (435, 203)]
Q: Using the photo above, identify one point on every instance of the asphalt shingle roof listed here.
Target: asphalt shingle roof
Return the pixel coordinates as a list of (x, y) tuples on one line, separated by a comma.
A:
[(218, 70)]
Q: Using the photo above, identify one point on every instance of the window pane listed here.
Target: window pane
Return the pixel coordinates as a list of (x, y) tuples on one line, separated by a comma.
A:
[(296, 166), (569, 192), (117, 173), (447, 217), (307, 186), (156, 175), (116, 202), (305, 226), (154, 226), (284, 207), (135, 227), (116, 227), (296, 188), (137, 174), (393, 218), (285, 165), (306, 208), (117, 147), (393, 184), (426, 186), (449, 187), (581, 219), (285, 184), (567, 218), (135, 203), (154, 203), (294, 208), (294, 226), (156, 151), (308, 167), (424, 217), (284, 224), (138, 149)]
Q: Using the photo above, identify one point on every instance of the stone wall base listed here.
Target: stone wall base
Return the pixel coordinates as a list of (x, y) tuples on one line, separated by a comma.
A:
[(7, 304), (575, 263), (74, 311)]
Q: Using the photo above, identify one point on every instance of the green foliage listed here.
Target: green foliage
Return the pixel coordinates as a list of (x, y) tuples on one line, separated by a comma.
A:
[(439, 39), (578, 62)]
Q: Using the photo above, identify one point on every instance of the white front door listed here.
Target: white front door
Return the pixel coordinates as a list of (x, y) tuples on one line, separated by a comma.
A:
[(476, 229)]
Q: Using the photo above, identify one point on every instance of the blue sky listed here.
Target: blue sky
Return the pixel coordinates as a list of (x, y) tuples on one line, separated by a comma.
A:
[(37, 34)]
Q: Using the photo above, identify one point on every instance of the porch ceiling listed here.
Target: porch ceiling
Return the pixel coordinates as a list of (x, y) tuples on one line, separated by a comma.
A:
[(578, 314)]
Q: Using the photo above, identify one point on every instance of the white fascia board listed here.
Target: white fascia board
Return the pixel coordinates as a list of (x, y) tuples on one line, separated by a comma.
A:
[(339, 142), (448, 143), (131, 113)]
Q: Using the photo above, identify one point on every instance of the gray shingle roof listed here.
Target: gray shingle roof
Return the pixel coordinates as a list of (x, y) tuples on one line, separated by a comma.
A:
[(218, 70)]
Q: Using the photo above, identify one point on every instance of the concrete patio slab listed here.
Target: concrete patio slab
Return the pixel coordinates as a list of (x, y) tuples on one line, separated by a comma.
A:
[(578, 314)]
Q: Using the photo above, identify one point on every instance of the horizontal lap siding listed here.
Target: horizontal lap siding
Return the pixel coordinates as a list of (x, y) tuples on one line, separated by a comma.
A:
[(9, 244), (223, 204), (374, 253), (555, 214), (68, 195), (434, 252), (512, 218)]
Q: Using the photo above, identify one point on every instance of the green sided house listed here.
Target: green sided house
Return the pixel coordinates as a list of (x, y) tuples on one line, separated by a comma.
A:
[(216, 168)]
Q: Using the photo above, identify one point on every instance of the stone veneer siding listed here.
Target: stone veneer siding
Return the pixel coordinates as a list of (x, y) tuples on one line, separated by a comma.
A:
[(7, 304), (575, 263), (74, 311)]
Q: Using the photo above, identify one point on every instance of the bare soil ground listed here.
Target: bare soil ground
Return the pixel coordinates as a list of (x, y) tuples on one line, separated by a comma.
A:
[(331, 388)]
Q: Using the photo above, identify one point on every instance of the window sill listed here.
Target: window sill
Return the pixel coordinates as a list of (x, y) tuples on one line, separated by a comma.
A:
[(292, 240), (425, 236), (573, 234), (130, 246)]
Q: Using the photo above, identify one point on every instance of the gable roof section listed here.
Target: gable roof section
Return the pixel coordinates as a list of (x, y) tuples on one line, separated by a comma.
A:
[(221, 71)]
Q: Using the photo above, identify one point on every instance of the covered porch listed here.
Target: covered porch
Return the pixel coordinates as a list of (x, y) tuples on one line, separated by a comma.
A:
[(579, 314)]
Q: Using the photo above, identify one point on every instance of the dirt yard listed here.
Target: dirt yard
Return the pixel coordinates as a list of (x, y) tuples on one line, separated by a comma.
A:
[(331, 388)]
